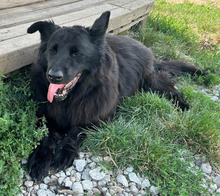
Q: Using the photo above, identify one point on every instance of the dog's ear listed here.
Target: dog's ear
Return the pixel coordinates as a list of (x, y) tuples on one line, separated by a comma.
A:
[(46, 29), (98, 29)]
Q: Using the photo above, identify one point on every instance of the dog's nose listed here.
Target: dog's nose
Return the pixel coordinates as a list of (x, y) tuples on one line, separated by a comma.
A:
[(55, 76)]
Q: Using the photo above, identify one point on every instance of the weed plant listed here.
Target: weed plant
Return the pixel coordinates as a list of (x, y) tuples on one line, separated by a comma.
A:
[(18, 131)]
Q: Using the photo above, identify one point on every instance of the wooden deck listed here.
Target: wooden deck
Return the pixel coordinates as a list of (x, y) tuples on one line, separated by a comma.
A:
[(17, 48)]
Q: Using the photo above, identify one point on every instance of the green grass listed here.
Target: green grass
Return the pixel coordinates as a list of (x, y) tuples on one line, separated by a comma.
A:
[(147, 132), (18, 132)]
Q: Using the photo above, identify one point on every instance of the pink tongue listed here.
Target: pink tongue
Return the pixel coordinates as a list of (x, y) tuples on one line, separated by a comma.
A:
[(52, 89)]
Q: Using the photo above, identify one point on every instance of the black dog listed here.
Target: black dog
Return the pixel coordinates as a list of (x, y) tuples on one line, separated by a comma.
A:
[(83, 73)]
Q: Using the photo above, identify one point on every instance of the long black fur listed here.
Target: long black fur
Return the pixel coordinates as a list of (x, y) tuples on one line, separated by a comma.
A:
[(112, 66)]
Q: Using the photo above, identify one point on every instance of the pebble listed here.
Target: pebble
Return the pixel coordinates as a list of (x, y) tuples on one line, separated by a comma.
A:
[(145, 184), (217, 180), (85, 177), (133, 177), (29, 183), (122, 179), (96, 174), (206, 167), (154, 190), (80, 164), (87, 185), (77, 188)]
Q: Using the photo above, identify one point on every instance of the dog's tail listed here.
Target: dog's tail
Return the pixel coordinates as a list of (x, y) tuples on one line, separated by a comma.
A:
[(178, 68)]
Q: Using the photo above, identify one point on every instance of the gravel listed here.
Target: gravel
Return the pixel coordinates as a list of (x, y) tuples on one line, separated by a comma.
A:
[(91, 179), (86, 177)]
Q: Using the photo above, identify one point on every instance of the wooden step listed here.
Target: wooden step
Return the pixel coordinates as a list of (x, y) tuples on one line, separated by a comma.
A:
[(19, 48)]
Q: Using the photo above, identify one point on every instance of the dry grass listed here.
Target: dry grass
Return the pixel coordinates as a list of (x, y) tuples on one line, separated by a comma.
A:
[(215, 3)]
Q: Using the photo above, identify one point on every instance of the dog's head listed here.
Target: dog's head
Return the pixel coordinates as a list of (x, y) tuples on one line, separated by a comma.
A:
[(71, 52)]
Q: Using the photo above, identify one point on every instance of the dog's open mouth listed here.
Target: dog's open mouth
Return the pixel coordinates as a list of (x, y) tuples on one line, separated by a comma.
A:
[(60, 91)]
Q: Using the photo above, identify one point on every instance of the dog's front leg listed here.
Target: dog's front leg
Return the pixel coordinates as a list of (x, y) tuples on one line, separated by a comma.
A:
[(67, 149), (39, 161)]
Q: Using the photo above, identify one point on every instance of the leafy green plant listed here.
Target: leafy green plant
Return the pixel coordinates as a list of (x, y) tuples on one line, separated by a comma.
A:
[(18, 131)]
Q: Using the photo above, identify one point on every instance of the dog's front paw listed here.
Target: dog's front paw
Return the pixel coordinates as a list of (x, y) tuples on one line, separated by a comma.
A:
[(65, 154), (39, 162)]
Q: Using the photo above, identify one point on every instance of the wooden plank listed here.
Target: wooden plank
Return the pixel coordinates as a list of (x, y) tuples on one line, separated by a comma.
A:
[(33, 7), (14, 52), (48, 13), (19, 49), (9, 33), (129, 17), (13, 3)]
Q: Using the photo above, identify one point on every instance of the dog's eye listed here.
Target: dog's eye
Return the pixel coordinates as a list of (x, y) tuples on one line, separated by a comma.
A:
[(75, 54), (53, 50), (74, 51)]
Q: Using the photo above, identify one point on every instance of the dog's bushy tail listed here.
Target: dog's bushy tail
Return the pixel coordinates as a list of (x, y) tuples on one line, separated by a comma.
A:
[(178, 68)]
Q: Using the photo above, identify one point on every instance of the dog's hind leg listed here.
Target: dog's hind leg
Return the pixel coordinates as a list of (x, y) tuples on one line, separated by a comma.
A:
[(163, 83)]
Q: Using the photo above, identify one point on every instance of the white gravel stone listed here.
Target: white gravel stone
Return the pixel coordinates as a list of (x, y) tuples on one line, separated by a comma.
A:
[(23, 161), (128, 170), (206, 167), (107, 159), (53, 178), (102, 183), (95, 184), (85, 174), (61, 174), (145, 184), (134, 189), (107, 177), (81, 155), (68, 183), (46, 180), (50, 193), (53, 188), (77, 176), (60, 180), (217, 180), (115, 190), (154, 190), (108, 194), (43, 186), (92, 165), (199, 159), (213, 187), (96, 191), (36, 187), (104, 190), (122, 180), (88, 160), (87, 185), (77, 188), (142, 192), (29, 183), (80, 164), (28, 177), (97, 159), (96, 174), (133, 177), (42, 192), (73, 179)]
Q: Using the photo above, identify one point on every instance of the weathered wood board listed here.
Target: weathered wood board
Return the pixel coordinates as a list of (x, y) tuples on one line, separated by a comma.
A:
[(17, 48)]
